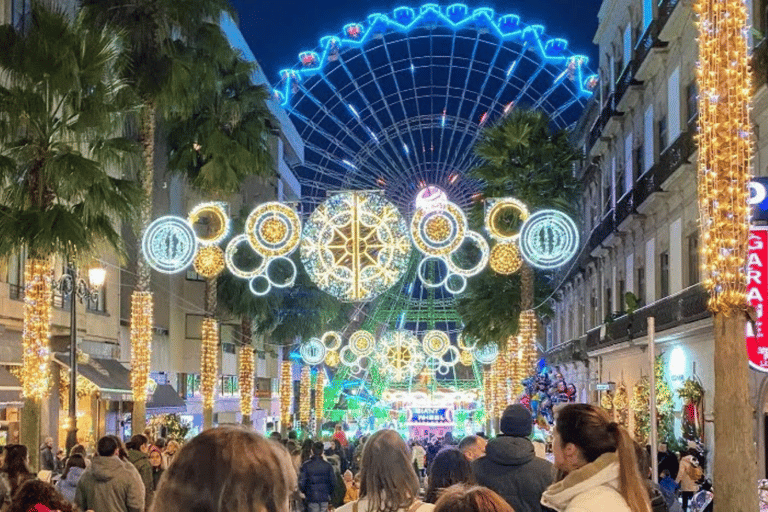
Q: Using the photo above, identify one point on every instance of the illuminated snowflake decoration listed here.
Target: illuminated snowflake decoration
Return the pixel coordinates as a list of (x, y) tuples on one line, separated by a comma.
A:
[(487, 354), (399, 355), (169, 244), (355, 246), (313, 351), (548, 239)]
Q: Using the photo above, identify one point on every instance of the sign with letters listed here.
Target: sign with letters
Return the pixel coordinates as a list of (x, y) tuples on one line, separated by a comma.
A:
[(757, 290), (758, 198)]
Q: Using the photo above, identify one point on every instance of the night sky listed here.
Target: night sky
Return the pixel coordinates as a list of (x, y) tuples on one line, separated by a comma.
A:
[(277, 30)]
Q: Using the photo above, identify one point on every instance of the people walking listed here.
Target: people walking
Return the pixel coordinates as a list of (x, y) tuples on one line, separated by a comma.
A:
[(510, 466), (688, 476), (47, 458), (156, 462), (450, 467), (597, 458), (317, 480), (36, 492), (473, 447), (73, 470), (137, 449)]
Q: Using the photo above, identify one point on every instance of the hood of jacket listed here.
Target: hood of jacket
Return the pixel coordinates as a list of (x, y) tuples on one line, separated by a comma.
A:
[(603, 472), (107, 468), (73, 476), (510, 451)]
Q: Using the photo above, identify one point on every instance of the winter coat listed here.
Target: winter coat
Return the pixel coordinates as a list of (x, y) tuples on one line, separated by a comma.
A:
[(68, 486), (317, 480), (591, 488), (156, 474), (47, 460), (363, 506), (352, 492), (687, 484), (109, 485), (140, 460), (511, 468)]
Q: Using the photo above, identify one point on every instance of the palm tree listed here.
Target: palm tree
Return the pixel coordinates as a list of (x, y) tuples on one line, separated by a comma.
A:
[(161, 70), (61, 104)]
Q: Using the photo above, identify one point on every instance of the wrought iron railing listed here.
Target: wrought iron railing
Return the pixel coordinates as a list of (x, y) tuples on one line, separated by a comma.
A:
[(597, 129), (626, 80)]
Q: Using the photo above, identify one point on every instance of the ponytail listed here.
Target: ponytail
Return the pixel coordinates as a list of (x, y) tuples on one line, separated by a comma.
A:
[(633, 487)]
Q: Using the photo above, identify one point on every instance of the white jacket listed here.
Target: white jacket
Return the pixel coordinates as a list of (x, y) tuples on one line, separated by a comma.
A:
[(591, 488)]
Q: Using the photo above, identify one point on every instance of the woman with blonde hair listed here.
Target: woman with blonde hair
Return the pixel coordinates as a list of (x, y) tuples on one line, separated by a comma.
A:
[(388, 482), (227, 469), (597, 458)]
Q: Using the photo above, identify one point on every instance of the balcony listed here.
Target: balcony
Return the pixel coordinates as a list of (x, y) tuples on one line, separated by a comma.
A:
[(625, 207), (648, 42), (597, 129), (601, 231), (760, 64), (672, 20), (625, 81)]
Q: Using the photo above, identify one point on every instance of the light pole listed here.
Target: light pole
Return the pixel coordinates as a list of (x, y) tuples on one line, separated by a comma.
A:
[(78, 290)]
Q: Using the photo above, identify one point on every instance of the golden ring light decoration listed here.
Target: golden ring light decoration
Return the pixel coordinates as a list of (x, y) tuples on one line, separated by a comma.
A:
[(331, 340), (212, 216), (362, 343), (505, 258), (209, 261), (497, 207), (438, 231), (273, 229), (435, 343)]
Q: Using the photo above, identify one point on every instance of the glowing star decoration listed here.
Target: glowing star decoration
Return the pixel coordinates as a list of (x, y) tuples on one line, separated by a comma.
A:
[(430, 198), (273, 229), (169, 244), (435, 343), (355, 246), (362, 343), (209, 261), (548, 239), (399, 355), (505, 258), (487, 354), (313, 351), (210, 222), (497, 210)]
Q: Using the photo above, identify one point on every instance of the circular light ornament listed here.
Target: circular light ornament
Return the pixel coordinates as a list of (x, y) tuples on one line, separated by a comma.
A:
[(451, 356), (209, 261), (212, 218), (348, 358), (229, 257), (260, 285), (313, 351), (399, 353), (466, 358), (331, 340), (424, 279), (548, 239), (505, 258), (362, 343), (169, 244), (455, 284), (355, 246), (482, 245), (435, 343), (431, 197), (287, 281), (332, 359), (273, 229), (498, 207), (486, 354), (438, 231)]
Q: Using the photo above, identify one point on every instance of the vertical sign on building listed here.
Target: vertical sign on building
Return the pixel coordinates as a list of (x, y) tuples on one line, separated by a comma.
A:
[(757, 290)]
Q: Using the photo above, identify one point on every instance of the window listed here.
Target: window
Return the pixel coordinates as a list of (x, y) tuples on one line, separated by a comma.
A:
[(228, 348), (193, 385), (608, 302), (593, 308), (229, 385), (194, 276), (20, 13), (661, 128), (692, 100), (693, 259), (638, 157), (641, 284), (620, 180), (98, 304), (664, 273), (16, 275)]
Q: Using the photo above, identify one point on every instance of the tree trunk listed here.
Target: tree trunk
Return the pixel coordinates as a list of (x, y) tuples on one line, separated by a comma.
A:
[(207, 418), (246, 371), (735, 471), (30, 431), (141, 340)]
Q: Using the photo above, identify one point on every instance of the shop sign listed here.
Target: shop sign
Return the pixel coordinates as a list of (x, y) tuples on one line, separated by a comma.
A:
[(758, 198), (605, 386), (757, 290)]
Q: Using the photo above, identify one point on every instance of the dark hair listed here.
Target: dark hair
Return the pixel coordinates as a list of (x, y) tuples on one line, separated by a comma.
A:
[(136, 442), (387, 477), (317, 449), (106, 446), (450, 467), (32, 492), (160, 442), (336, 444), (468, 442), (306, 450), (78, 449), (122, 453), (242, 472), (462, 498), (643, 461), (292, 434), (275, 436), (591, 430), (75, 461), (15, 465)]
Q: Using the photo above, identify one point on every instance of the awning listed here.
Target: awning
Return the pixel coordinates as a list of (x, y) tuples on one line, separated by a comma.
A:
[(109, 375), (166, 400), (10, 389)]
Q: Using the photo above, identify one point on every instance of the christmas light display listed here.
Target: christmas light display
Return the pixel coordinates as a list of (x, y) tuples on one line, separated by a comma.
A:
[(725, 149), (527, 340), (435, 343), (169, 244), (438, 231), (505, 258), (496, 209), (466, 358), (38, 294), (482, 245), (362, 343), (331, 340), (260, 285), (213, 218), (273, 229), (501, 371), (355, 246), (320, 396), (440, 262), (209, 361), (399, 355), (430, 197), (286, 394), (233, 247), (141, 343), (209, 261), (486, 354), (640, 404), (245, 363), (304, 395), (548, 239), (312, 351), (288, 281), (489, 391), (621, 405), (332, 358)]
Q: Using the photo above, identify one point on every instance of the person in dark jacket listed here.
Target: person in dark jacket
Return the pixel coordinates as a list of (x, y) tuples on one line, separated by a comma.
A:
[(317, 480), (47, 459), (137, 449), (510, 467)]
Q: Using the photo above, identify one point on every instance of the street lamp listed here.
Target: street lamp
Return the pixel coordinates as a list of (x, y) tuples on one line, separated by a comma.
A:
[(78, 290)]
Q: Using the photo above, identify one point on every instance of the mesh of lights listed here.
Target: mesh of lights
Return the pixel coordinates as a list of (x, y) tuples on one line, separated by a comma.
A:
[(725, 148), (246, 370), (286, 393), (305, 395), (141, 343), (320, 396), (209, 361), (38, 294)]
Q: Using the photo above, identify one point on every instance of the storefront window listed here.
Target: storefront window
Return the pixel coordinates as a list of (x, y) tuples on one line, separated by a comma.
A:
[(193, 385), (229, 385)]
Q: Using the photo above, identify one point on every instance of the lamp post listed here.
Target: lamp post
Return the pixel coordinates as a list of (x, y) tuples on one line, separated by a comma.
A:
[(78, 290)]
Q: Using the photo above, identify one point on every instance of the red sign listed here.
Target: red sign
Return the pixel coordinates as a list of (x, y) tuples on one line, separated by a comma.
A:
[(757, 291)]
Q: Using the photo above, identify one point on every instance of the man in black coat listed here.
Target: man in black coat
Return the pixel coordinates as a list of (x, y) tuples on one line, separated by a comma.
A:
[(510, 467), (47, 460), (317, 480)]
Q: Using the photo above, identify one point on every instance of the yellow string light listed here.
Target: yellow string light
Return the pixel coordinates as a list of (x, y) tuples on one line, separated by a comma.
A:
[(246, 380), (141, 343), (304, 395), (501, 369), (286, 393), (209, 261), (725, 149), (332, 358), (516, 372), (505, 258), (527, 337), (489, 392), (35, 339), (320, 396), (209, 361)]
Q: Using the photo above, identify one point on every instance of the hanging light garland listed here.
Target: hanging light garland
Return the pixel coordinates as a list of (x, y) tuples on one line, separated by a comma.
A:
[(304, 395), (286, 393), (141, 343), (38, 295), (621, 405), (320, 396), (725, 148), (488, 393), (246, 380), (209, 361), (516, 368), (501, 369)]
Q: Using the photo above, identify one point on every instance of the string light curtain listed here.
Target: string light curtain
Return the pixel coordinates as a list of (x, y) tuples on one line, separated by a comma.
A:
[(516, 372), (527, 336), (320, 395), (501, 372), (141, 343), (725, 149), (286, 393), (304, 395), (209, 360), (38, 295), (245, 364)]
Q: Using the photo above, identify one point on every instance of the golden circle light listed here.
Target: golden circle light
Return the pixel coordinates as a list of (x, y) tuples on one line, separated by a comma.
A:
[(331, 340), (209, 261), (435, 343), (273, 229), (362, 343), (466, 358), (332, 358), (233, 247), (495, 209), (505, 258), (213, 217), (438, 231)]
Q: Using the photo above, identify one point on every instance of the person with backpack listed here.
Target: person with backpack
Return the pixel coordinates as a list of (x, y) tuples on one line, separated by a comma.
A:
[(688, 476)]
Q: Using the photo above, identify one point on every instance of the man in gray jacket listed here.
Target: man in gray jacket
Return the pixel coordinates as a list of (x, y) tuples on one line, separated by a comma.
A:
[(510, 466), (108, 485)]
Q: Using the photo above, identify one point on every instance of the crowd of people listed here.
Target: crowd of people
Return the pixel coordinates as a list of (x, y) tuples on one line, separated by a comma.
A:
[(597, 468)]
